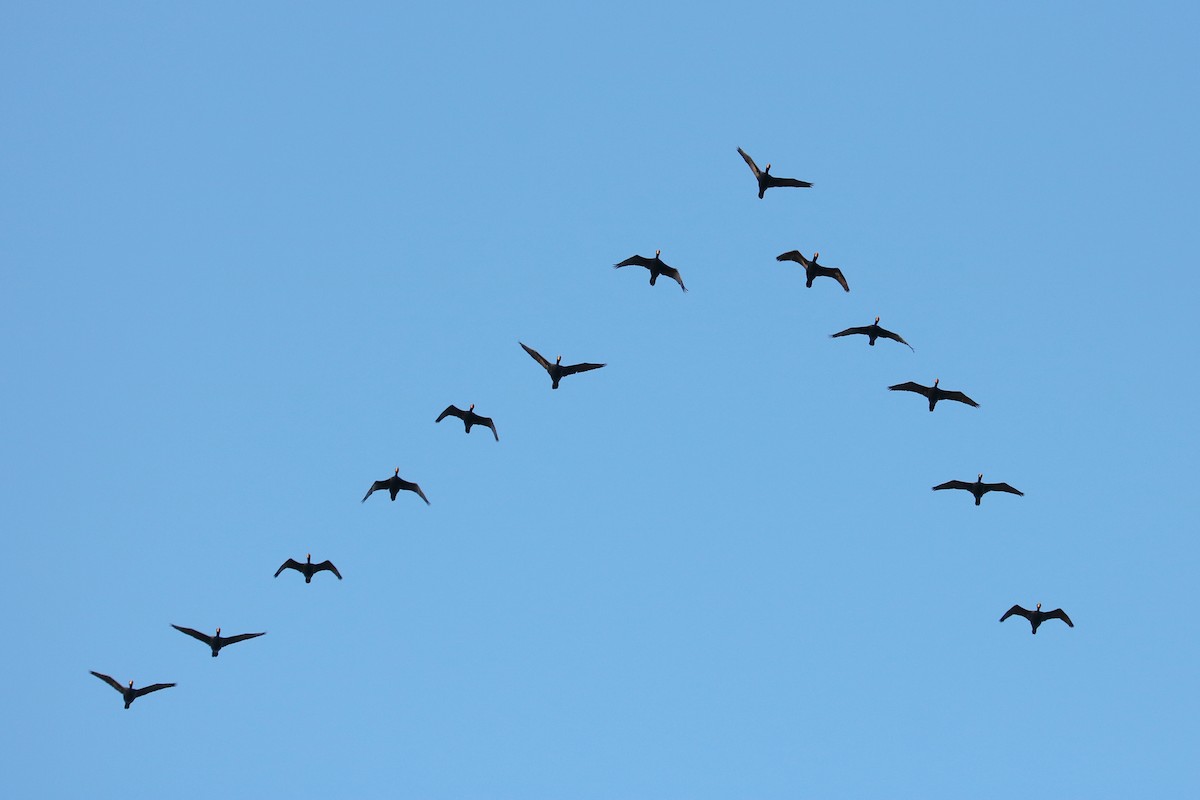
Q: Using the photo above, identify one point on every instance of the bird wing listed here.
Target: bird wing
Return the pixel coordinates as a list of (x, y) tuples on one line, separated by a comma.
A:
[(750, 161), (327, 565), (412, 487), (374, 486), (632, 261), (895, 337), (109, 681), (451, 410), (536, 356), (154, 687), (488, 422), (1058, 613), (793, 255), (836, 274), (953, 485), (1002, 487), (572, 369), (291, 563), (851, 331), (195, 634), (960, 397), (673, 274), (910, 386), (241, 637), (788, 182), (1024, 612)]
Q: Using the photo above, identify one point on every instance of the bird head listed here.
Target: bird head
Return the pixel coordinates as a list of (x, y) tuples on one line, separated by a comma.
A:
[(397, 472), (131, 684), (935, 381), (1039, 608), (472, 408), (980, 476), (815, 254), (877, 320), (768, 169), (558, 360), (218, 631), (308, 557), (657, 253)]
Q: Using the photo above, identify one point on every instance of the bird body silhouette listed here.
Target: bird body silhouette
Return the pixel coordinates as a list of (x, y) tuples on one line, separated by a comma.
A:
[(217, 641), (394, 485), (128, 692), (873, 332), (814, 270), (469, 418), (308, 569), (933, 393), (1037, 616), (768, 181), (656, 267), (556, 370), (979, 488)]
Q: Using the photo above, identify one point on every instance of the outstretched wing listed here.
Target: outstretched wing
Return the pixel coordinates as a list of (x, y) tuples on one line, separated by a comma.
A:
[(1058, 613), (327, 565), (1024, 612), (794, 255), (836, 274), (412, 487), (910, 386), (453, 411), (195, 634), (632, 261), (374, 486), (536, 356), (750, 161), (108, 680), (960, 397), (1002, 487), (291, 563), (895, 337), (241, 637), (851, 332), (571, 370), (488, 422), (154, 687), (673, 274), (789, 182), (953, 485)]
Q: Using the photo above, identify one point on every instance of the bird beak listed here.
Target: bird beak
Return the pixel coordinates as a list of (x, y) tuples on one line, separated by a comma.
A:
[(877, 320), (657, 253)]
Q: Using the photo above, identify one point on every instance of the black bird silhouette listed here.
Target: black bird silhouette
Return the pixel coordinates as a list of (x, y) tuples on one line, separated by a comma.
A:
[(814, 270), (768, 181), (308, 568), (218, 641), (978, 488), (557, 370), (394, 484), (874, 332), (933, 393), (656, 267), (1038, 616), (128, 692), (469, 418)]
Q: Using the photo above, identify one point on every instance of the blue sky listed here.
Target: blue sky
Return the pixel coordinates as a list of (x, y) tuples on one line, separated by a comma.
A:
[(248, 254)]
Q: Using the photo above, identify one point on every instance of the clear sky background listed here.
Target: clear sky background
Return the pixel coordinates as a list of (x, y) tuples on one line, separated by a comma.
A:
[(249, 251)]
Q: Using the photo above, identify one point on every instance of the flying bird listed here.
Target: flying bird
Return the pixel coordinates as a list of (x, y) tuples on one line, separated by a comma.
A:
[(874, 332), (814, 270), (128, 692), (557, 370), (395, 484), (933, 393), (979, 488), (656, 267), (308, 568), (1037, 617), (469, 418), (768, 181), (218, 641)]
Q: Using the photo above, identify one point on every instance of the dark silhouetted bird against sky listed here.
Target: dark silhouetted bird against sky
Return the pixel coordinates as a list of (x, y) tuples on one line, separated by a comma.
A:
[(978, 488), (768, 181), (469, 418), (128, 692), (1037, 617), (217, 641), (308, 569), (557, 370), (933, 393), (814, 270), (874, 332), (656, 267), (394, 485)]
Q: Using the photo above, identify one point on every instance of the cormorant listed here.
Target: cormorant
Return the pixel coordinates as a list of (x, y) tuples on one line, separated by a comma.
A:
[(874, 332), (656, 267), (557, 370), (933, 393), (218, 641), (128, 692), (469, 418), (768, 181), (979, 488), (308, 569), (814, 270), (395, 484), (1038, 616)]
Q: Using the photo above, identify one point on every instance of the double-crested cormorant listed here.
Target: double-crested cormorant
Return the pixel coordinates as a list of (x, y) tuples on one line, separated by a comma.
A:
[(308, 568), (933, 393), (656, 267), (979, 488), (394, 484), (768, 181), (874, 332), (1038, 616), (557, 370), (469, 418), (218, 641), (814, 270), (128, 692)]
